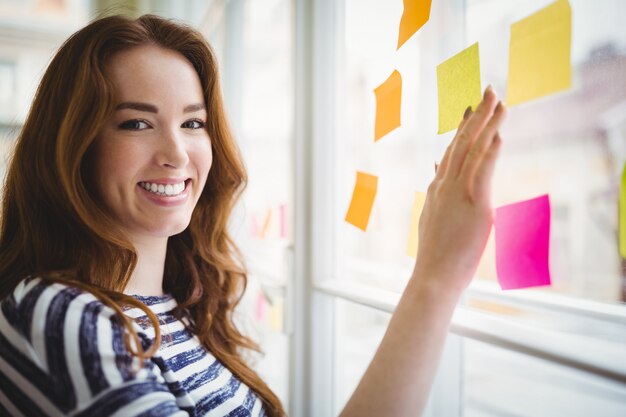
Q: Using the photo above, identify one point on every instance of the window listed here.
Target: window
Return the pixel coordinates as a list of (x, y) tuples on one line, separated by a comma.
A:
[(572, 335)]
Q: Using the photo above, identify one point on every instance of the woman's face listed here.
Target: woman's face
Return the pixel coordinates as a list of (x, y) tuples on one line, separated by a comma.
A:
[(152, 159)]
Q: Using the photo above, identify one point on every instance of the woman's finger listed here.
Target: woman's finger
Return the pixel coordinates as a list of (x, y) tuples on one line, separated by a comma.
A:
[(466, 115), (474, 156), (471, 130), (443, 165), (484, 173)]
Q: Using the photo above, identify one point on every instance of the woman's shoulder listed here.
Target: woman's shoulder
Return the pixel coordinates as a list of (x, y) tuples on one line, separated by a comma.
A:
[(36, 300), (63, 349), (61, 342), (40, 315), (34, 286)]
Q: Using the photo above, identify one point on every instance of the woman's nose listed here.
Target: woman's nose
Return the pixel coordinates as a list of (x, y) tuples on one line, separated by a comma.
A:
[(172, 150)]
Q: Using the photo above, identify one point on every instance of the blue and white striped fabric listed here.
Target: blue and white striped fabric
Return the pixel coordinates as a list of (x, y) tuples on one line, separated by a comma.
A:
[(62, 353)]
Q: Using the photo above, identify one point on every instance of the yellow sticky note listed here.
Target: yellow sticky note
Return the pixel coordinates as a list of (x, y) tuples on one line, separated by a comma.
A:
[(416, 212), (458, 86), (388, 104), (276, 314), (362, 200), (622, 215), (539, 54), (415, 14)]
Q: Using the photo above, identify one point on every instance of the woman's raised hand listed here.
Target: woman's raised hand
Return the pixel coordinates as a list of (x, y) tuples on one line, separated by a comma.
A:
[(458, 214), (453, 232)]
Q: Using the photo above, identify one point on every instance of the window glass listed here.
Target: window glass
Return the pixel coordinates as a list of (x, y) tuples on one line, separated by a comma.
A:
[(358, 332), (261, 78), (498, 383), (570, 145), (403, 159)]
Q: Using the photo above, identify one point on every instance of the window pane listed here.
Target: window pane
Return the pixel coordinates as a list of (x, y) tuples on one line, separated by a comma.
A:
[(570, 145), (403, 159), (260, 77), (499, 383), (358, 332)]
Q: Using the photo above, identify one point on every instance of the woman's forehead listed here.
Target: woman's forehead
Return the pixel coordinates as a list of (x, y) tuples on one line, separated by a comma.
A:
[(151, 72)]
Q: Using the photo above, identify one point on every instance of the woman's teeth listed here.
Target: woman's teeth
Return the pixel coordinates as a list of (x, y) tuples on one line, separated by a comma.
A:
[(162, 189)]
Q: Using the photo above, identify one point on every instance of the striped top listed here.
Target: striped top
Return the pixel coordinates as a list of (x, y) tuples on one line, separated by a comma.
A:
[(62, 352)]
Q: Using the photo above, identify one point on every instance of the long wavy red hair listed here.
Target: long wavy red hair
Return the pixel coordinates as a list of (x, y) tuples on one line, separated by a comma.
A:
[(52, 226)]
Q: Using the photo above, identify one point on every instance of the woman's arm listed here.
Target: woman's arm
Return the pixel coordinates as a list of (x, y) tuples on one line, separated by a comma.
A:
[(454, 228)]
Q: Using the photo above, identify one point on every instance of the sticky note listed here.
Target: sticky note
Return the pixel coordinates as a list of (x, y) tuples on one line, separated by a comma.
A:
[(522, 233), (282, 210), (415, 14), (388, 105), (622, 215), (254, 226), (458, 86), (416, 212), (266, 224), (362, 200), (276, 314), (539, 54), (261, 306)]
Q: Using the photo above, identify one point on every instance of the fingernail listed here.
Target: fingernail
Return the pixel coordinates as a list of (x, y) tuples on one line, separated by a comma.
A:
[(487, 91), (498, 107), (468, 111), (436, 167)]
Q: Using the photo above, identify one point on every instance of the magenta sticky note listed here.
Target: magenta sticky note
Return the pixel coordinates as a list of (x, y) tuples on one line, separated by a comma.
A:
[(523, 243)]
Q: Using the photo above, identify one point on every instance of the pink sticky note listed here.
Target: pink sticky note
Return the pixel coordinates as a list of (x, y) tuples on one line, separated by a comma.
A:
[(254, 226), (283, 220), (260, 306), (522, 243)]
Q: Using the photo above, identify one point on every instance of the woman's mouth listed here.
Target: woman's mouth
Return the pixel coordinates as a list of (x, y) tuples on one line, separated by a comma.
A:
[(169, 190)]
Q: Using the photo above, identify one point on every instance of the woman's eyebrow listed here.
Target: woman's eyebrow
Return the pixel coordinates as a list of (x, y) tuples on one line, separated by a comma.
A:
[(153, 109), (137, 106), (193, 107)]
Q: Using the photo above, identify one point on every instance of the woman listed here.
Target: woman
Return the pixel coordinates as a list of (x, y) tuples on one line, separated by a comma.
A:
[(118, 278)]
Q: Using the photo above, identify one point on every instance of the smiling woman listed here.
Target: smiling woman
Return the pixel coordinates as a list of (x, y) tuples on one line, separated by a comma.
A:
[(113, 233)]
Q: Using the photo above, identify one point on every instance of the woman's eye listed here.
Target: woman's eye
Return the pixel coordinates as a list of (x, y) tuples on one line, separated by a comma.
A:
[(134, 125), (193, 124)]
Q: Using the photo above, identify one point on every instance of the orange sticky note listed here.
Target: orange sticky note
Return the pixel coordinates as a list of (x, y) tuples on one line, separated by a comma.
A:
[(266, 224), (539, 54), (458, 86), (388, 104), (415, 14), (416, 212), (362, 200)]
